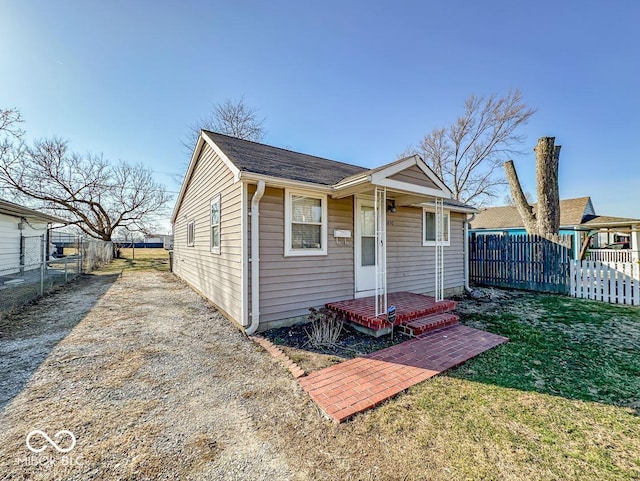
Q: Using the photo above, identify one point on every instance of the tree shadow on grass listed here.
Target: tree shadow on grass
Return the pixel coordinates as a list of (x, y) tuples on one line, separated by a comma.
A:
[(29, 334)]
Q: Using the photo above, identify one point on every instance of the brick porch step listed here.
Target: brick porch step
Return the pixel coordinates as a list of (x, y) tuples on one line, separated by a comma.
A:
[(409, 307), (417, 327)]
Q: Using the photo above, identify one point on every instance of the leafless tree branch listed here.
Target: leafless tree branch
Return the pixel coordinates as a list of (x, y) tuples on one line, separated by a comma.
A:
[(469, 153), (230, 117), (99, 197)]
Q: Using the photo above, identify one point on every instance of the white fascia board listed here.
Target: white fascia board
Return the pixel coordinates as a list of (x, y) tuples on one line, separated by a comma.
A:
[(187, 177), (381, 173), (192, 164), (469, 210), (431, 174), (393, 168), (352, 190), (230, 165), (612, 224), (351, 182), (284, 183), (412, 188)]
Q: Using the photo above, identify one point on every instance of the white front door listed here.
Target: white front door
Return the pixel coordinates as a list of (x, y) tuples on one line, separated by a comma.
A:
[(365, 248)]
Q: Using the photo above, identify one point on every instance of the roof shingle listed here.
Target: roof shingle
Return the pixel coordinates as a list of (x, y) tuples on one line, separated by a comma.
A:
[(572, 212), (276, 162)]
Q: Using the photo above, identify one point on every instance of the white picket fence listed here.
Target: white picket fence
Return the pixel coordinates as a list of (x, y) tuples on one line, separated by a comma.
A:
[(616, 283)]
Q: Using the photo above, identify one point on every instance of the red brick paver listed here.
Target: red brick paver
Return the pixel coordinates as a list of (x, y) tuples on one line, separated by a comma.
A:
[(279, 354), (362, 383)]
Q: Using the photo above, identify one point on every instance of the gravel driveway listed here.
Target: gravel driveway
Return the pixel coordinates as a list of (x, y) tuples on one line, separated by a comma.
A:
[(151, 380)]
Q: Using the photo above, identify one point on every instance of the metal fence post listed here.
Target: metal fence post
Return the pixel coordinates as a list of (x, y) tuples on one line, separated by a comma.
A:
[(43, 262), (81, 255)]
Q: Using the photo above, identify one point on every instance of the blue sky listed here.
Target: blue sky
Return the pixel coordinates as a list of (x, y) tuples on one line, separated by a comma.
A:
[(351, 81)]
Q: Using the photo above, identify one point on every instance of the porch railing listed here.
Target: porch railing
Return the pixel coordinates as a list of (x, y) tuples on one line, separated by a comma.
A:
[(609, 255)]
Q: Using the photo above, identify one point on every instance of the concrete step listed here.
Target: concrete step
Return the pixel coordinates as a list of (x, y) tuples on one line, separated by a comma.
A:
[(416, 327)]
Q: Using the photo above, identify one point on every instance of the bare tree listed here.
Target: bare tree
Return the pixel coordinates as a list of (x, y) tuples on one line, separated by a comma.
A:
[(10, 130), (546, 221), (231, 117), (99, 197), (468, 154)]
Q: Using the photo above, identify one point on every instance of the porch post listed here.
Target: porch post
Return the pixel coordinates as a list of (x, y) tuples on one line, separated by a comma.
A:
[(635, 250), (380, 214), (438, 248)]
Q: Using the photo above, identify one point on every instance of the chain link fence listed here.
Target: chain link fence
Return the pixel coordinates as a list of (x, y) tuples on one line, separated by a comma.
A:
[(41, 264)]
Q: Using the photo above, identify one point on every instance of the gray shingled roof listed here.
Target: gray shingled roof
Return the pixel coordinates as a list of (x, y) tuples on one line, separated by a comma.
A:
[(276, 162), (282, 163), (572, 213)]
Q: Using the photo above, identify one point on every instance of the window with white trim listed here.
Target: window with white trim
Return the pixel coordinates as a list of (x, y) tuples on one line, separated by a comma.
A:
[(429, 227), (215, 224), (191, 233), (305, 229)]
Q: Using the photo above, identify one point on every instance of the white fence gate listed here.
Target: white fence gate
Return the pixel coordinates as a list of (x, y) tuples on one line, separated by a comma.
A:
[(616, 283)]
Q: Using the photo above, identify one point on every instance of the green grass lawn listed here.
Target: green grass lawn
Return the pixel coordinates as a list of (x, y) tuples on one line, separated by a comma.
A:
[(139, 260), (562, 346), (559, 401)]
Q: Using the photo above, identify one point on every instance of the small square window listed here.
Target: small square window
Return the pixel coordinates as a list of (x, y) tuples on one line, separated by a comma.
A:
[(429, 228)]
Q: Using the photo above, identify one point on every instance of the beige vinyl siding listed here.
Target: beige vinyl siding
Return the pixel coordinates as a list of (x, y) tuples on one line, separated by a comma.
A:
[(410, 265), (290, 285), (414, 175), (216, 276)]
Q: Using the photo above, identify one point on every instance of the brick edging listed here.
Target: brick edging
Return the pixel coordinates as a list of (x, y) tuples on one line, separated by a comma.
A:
[(279, 355)]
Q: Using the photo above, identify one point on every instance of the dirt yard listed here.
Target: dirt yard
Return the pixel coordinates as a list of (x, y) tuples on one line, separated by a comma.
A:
[(152, 382)]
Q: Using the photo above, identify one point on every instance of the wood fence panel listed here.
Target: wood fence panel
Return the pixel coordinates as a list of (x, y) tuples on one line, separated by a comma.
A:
[(521, 262)]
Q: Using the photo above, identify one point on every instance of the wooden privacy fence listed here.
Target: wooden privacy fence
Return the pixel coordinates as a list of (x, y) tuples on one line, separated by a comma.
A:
[(521, 262), (616, 283)]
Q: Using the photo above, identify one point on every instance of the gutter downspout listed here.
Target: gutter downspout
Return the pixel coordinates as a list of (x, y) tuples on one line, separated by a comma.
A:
[(255, 259), (468, 220)]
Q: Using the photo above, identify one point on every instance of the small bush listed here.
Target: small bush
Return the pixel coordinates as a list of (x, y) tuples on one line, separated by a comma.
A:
[(325, 327)]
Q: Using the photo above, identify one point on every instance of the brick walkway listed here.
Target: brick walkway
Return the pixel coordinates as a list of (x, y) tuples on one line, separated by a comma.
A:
[(362, 383)]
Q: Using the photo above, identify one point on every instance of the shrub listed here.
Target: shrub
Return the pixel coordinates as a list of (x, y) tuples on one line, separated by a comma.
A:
[(325, 327)]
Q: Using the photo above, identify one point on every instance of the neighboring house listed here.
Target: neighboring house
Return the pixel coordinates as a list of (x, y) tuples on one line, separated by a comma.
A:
[(158, 240), (150, 241), (266, 233), (24, 237), (577, 218)]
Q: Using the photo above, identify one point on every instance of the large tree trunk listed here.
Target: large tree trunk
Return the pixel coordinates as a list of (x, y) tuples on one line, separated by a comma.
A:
[(548, 214), (519, 199), (546, 221)]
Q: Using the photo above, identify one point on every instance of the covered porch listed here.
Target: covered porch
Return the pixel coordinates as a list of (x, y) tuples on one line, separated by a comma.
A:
[(378, 194)]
